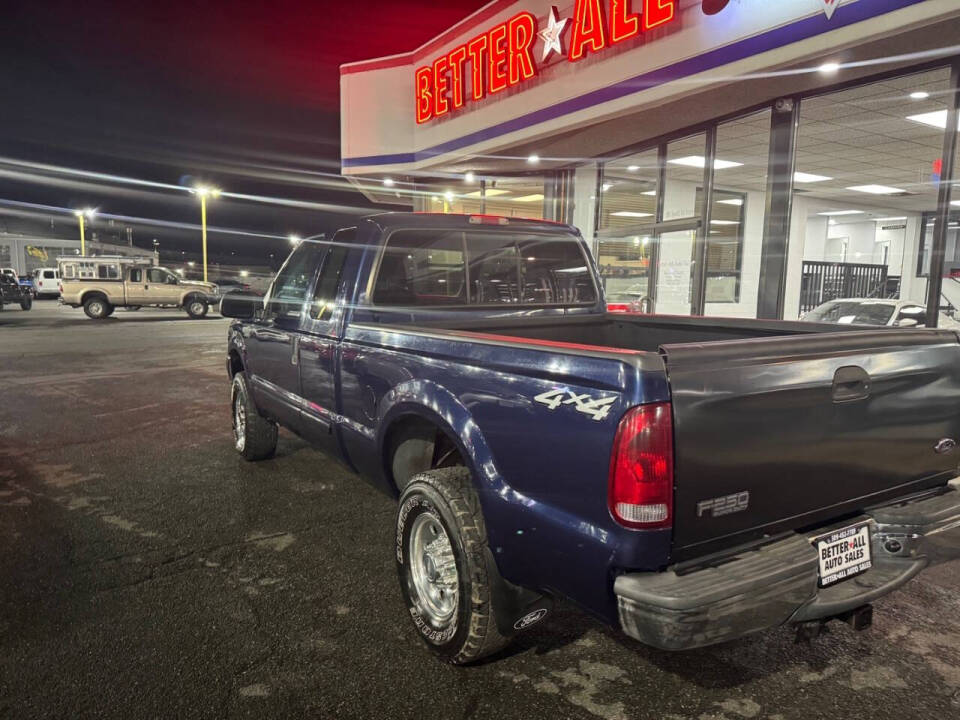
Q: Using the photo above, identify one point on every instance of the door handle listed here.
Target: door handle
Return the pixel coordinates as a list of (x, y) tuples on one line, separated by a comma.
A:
[(850, 383), (294, 356)]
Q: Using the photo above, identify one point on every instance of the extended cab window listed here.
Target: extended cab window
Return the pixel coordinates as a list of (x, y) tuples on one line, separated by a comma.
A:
[(329, 282), (289, 290), (427, 268), (136, 275)]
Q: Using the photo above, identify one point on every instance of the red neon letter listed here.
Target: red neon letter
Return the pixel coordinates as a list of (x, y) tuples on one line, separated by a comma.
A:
[(522, 32), (623, 23), (587, 29), (657, 12), (440, 86), (477, 49), (457, 57), (497, 78), (424, 81)]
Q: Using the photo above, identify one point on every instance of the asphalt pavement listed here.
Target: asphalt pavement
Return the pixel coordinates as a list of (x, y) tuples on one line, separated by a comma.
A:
[(147, 571)]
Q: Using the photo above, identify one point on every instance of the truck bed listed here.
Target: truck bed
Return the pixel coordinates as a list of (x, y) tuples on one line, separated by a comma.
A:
[(799, 424)]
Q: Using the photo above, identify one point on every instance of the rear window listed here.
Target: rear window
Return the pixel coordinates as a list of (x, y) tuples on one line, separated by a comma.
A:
[(48, 275), (456, 268)]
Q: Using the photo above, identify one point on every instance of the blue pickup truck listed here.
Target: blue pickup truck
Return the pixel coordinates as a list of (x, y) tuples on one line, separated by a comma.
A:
[(688, 480)]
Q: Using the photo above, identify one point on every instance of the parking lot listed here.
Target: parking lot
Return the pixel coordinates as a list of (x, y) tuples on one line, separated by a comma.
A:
[(148, 571)]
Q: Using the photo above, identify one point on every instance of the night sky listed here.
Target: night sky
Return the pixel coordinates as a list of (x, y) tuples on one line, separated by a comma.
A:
[(244, 95)]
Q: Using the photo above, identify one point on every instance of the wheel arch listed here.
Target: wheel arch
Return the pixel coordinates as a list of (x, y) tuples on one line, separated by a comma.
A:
[(94, 292)]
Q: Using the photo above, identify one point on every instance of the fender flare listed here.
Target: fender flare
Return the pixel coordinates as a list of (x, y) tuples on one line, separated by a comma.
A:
[(431, 401)]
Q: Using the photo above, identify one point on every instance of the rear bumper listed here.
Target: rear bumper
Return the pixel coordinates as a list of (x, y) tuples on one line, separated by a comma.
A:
[(777, 583)]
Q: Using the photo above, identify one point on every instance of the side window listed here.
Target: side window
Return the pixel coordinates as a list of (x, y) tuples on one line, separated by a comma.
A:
[(136, 275), (107, 272), (156, 275), (289, 290), (326, 295), (69, 271), (422, 268)]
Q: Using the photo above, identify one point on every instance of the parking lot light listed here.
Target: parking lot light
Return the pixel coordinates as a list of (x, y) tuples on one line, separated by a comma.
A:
[(204, 192), (294, 239), (81, 215)]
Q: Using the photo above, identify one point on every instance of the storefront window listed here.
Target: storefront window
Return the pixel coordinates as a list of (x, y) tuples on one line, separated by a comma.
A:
[(629, 191), (684, 174), (508, 197), (867, 165)]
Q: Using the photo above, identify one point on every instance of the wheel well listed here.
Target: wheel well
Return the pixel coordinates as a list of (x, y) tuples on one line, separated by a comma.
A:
[(94, 293), (236, 363), (414, 445)]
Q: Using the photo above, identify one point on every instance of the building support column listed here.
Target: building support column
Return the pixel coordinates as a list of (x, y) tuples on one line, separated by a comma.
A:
[(776, 225), (699, 279), (939, 249)]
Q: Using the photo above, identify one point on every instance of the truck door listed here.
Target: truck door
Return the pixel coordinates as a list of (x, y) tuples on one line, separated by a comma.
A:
[(135, 286), (160, 287), (273, 343), (318, 351)]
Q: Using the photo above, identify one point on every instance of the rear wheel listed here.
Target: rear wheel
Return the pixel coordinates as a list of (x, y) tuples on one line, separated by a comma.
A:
[(196, 308), (441, 561), (26, 302), (254, 437), (97, 308)]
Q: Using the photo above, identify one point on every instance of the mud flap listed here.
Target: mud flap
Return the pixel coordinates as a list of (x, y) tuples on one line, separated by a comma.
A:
[(515, 608)]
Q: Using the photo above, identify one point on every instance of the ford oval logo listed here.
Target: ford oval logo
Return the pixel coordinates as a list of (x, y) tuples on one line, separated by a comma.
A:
[(947, 445), (529, 619)]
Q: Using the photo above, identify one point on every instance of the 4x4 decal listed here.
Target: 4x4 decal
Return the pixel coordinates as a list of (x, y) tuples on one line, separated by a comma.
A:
[(597, 408)]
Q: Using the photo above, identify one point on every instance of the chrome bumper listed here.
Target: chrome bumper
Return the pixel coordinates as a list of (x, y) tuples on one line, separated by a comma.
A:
[(777, 583)]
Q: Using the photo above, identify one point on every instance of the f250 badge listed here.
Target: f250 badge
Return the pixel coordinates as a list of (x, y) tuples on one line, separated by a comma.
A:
[(726, 505), (597, 408)]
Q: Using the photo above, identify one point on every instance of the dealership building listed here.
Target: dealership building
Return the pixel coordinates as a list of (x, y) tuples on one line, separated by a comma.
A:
[(747, 158)]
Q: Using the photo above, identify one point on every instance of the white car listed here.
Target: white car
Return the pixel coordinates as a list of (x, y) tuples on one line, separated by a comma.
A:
[(872, 311), (46, 282)]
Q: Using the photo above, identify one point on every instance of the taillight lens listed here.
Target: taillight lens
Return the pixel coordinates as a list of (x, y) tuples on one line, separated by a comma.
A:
[(641, 468)]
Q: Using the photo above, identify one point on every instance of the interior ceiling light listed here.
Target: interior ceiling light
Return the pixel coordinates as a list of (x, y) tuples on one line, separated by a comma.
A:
[(877, 189), (529, 198), (732, 201), (469, 177), (652, 193), (632, 168), (829, 68), (491, 192), (841, 212), (631, 214), (699, 161), (891, 219), (533, 159), (724, 222), (802, 177), (936, 119), (607, 186), (919, 95), (388, 182)]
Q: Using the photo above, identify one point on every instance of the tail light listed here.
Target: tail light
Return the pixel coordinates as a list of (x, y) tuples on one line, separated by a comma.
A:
[(641, 468)]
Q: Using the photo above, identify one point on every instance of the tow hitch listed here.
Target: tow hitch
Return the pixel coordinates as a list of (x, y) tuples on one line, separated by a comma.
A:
[(859, 619)]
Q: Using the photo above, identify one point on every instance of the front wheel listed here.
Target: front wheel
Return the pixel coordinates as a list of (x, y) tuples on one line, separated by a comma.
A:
[(26, 302), (254, 437), (441, 561), (196, 308)]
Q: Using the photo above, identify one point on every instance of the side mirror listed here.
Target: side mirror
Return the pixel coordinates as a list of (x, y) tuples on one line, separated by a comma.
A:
[(241, 305), (907, 322)]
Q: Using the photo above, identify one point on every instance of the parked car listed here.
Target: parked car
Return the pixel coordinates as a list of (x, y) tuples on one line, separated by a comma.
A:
[(46, 282), (231, 286), (868, 311), (628, 302), (101, 284), (688, 480), (11, 291)]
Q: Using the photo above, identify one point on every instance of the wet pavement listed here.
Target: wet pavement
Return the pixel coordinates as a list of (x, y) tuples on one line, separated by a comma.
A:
[(147, 571)]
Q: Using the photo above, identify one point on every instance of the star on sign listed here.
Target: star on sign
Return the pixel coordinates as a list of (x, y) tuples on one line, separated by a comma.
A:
[(551, 36)]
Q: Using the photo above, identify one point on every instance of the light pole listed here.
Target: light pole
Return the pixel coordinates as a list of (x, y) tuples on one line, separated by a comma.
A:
[(87, 214), (204, 192)]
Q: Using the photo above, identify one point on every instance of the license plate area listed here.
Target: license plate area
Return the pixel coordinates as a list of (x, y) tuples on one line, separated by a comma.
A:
[(843, 554)]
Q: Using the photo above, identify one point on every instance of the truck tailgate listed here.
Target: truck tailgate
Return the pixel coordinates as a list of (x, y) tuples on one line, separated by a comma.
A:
[(778, 434)]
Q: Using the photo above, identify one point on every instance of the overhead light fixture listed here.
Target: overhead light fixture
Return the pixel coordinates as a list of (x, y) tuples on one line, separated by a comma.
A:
[(919, 95), (829, 68), (651, 193), (489, 192), (732, 201), (632, 168), (837, 213), (802, 177), (470, 178), (448, 195), (529, 198), (699, 161), (533, 159), (388, 182), (294, 239), (631, 214), (890, 219), (937, 119), (724, 222), (607, 186), (953, 202), (877, 189)]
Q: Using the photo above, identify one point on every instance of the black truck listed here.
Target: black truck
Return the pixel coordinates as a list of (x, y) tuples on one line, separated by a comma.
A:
[(11, 291)]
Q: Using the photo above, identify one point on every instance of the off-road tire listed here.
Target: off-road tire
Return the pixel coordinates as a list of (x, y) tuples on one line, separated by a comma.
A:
[(258, 438), (96, 308), (448, 495), (26, 302), (196, 308)]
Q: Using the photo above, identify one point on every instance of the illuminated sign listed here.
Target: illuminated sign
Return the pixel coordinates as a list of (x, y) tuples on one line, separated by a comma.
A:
[(503, 56)]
